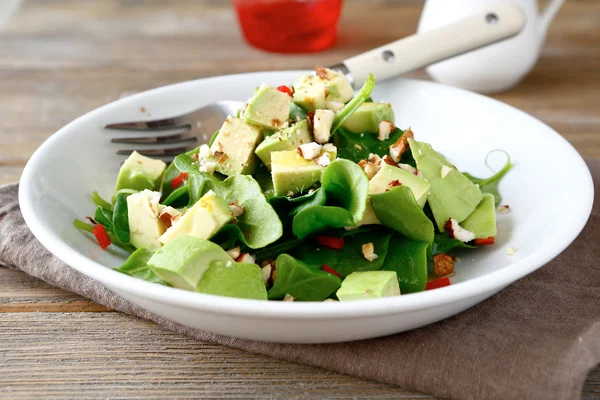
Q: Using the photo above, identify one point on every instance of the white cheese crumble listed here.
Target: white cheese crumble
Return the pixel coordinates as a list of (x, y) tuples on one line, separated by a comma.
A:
[(385, 129), (445, 171), (323, 120), (310, 151), (461, 233), (204, 151)]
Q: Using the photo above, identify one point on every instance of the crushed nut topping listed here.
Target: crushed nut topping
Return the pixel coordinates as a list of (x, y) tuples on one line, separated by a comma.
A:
[(321, 72), (358, 147), (458, 232), (395, 183), (369, 168), (288, 297), (368, 251), (389, 161), (169, 216), (401, 145), (324, 160), (309, 151), (245, 258), (408, 168), (385, 129), (234, 253), (443, 264), (511, 250), (503, 209), (236, 209), (266, 272), (208, 167)]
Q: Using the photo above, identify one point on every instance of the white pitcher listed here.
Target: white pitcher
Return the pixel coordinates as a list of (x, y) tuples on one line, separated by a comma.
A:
[(496, 67)]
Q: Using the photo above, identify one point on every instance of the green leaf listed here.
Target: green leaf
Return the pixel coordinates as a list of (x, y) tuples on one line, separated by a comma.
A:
[(121, 219), (178, 198), (409, 259), (398, 209), (442, 243), (259, 223), (99, 201), (137, 266), (302, 281), (344, 186), (349, 259), (363, 94), (274, 250), (104, 217), (296, 112), (358, 146), (170, 174), (490, 185)]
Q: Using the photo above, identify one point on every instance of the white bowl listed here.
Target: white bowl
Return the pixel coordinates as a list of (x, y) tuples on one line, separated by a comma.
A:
[(549, 191)]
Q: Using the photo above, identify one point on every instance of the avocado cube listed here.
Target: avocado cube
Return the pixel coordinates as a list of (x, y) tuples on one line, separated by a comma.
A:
[(233, 148), (287, 139), (203, 219), (182, 262), (292, 173), (139, 172), (482, 221), (233, 279), (368, 116), (268, 108), (309, 92), (369, 217), (369, 285), (390, 176), (337, 87), (144, 225), (452, 195)]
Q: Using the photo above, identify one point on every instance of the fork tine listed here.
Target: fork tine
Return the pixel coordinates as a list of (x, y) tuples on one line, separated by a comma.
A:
[(170, 152), (157, 124), (180, 137)]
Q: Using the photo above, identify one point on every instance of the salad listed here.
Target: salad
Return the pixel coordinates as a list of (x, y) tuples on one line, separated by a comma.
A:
[(310, 193)]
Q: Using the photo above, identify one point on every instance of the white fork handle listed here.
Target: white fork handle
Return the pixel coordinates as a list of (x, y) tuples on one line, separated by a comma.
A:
[(496, 23)]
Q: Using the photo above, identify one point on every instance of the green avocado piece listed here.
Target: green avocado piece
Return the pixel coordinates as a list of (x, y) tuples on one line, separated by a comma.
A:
[(287, 139), (337, 87), (145, 227), (268, 108), (482, 221), (182, 262), (452, 195), (233, 148), (139, 172), (233, 279), (369, 285), (368, 116), (205, 218), (292, 173), (389, 176), (309, 92)]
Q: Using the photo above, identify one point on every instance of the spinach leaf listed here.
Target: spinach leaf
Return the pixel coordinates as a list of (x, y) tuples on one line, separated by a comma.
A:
[(185, 163), (301, 280), (229, 236), (171, 173), (274, 250), (358, 146), (259, 223), (490, 185), (137, 266), (349, 259), (409, 259), (363, 94), (296, 112), (178, 198), (442, 243), (104, 217), (121, 219), (99, 201), (398, 209), (344, 186), (214, 135), (316, 198)]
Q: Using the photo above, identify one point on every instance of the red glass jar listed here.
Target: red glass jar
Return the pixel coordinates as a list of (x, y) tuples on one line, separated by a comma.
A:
[(289, 26)]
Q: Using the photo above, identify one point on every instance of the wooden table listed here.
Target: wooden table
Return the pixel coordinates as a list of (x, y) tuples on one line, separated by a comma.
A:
[(62, 58)]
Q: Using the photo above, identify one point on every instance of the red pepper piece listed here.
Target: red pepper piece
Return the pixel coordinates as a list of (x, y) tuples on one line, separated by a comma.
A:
[(437, 283), (101, 236), (327, 268), (483, 242), (285, 89), (331, 242), (178, 180)]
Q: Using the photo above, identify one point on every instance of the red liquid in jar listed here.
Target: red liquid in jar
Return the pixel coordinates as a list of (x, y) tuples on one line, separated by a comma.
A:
[(289, 26)]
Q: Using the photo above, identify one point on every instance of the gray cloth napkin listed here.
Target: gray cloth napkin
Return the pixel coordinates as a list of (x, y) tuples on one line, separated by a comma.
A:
[(537, 339)]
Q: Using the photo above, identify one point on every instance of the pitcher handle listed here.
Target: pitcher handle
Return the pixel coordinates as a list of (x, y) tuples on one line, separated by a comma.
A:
[(548, 15)]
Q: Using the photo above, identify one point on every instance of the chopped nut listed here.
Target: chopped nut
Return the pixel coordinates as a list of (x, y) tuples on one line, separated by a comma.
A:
[(309, 151), (266, 272), (236, 209), (245, 258), (289, 297), (321, 72), (408, 168), (235, 252), (368, 251), (395, 183), (358, 147), (511, 251), (330, 301), (389, 161), (374, 158), (401, 145), (324, 160), (194, 157), (169, 216), (443, 264), (385, 129), (503, 209), (289, 193), (458, 232), (445, 171)]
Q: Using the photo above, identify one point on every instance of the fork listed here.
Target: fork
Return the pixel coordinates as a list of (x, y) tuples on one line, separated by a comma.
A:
[(168, 137)]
